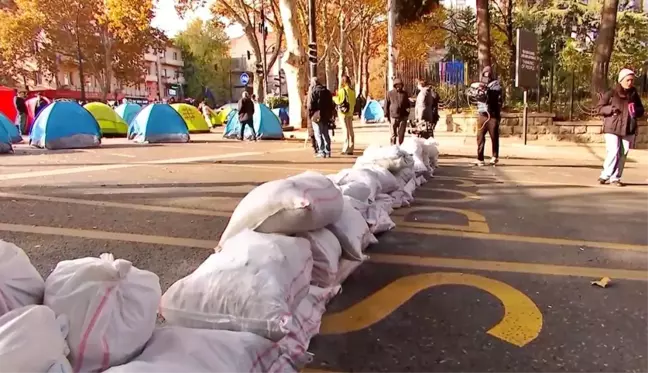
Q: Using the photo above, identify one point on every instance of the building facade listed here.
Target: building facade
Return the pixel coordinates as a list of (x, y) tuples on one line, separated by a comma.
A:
[(163, 79)]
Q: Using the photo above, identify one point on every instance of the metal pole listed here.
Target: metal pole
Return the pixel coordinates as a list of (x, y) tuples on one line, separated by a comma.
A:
[(551, 83), (525, 118), (571, 98), (312, 39), (264, 58), (391, 58)]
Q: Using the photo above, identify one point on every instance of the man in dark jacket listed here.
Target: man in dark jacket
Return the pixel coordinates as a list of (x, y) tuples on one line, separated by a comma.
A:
[(621, 108), (320, 112), (246, 114), (426, 108), (21, 112), (397, 107), (489, 106)]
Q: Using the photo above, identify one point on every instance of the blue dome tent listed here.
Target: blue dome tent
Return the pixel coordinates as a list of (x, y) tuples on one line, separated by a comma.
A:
[(11, 129), (266, 125), (65, 125), (128, 111), (158, 123), (373, 112), (5, 141)]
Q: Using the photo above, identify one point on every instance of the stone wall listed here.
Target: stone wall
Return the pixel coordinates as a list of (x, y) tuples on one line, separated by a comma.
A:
[(541, 126)]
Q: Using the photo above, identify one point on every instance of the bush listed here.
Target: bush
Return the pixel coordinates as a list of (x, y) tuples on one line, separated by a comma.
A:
[(276, 102)]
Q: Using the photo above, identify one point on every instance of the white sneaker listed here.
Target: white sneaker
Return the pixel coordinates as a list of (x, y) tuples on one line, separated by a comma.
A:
[(480, 164), (494, 161)]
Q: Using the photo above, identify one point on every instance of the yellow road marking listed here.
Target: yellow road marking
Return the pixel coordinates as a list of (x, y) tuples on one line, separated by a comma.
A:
[(510, 267), (520, 325), (132, 206), (525, 239), (476, 222), (90, 168), (467, 196), (112, 236)]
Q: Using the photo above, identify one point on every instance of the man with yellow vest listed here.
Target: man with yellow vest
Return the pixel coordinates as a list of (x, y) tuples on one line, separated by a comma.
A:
[(345, 101)]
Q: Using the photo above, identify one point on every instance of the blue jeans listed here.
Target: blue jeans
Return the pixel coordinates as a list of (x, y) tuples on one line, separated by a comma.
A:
[(321, 131), (617, 148)]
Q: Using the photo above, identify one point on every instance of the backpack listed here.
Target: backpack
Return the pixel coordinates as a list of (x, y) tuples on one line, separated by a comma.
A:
[(344, 106)]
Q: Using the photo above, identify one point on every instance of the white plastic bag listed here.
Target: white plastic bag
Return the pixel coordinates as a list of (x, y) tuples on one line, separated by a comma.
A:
[(20, 283), (304, 327), (326, 251), (405, 175), (32, 340), (353, 232), (253, 284), (357, 190), (399, 199), (409, 189), (111, 305), (432, 147), (300, 203), (177, 349)]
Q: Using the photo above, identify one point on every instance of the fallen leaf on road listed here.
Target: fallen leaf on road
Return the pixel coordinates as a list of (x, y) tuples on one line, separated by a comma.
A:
[(604, 282)]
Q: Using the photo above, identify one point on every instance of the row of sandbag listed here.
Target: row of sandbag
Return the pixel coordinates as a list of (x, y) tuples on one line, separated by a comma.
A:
[(252, 306)]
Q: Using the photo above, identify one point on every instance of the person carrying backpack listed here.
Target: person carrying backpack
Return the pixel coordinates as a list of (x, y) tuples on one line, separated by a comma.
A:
[(320, 112), (345, 101), (397, 106), (426, 108)]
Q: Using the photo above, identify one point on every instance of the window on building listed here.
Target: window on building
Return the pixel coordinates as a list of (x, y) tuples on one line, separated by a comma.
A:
[(175, 56), (165, 73)]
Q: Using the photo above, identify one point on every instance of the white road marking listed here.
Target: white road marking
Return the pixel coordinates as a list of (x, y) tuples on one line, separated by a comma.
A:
[(74, 170)]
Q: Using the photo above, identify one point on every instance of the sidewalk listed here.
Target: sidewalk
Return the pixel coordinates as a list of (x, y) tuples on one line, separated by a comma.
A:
[(465, 144)]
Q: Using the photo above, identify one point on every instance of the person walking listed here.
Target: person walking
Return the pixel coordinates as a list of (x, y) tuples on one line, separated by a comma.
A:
[(246, 114), (397, 109), (320, 112), (489, 106), (345, 101), (21, 111), (620, 109), (206, 112), (426, 107)]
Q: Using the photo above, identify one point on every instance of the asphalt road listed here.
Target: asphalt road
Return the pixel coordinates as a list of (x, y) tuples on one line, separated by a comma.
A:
[(489, 270)]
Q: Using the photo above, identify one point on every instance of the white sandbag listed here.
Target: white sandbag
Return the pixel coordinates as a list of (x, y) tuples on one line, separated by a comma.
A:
[(415, 147), (388, 182), (420, 180), (357, 190), (390, 157), (385, 201), (347, 267), (176, 349), (32, 340), (304, 327), (381, 222), (352, 231), (253, 284), (111, 305), (364, 176), (399, 199), (405, 175), (432, 148), (20, 283), (360, 206), (300, 203), (409, 189), (326, 251)]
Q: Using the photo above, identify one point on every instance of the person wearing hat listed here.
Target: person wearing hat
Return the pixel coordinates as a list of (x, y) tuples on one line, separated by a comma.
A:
[(620, 109), (397, 107), (489, 107)]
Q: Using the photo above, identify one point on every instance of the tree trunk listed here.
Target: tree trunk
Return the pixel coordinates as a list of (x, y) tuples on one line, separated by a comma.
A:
[(604, 45), (80, 59), (391, 57), (294, 63), (107, 86), (257, 87), (365, 70), (341, 48), (330, 72), (483, 34), (360, 63)]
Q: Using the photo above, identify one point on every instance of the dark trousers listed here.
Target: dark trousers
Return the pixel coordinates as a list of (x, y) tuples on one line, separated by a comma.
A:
[(398, 127), (492, 127), (247, 123)]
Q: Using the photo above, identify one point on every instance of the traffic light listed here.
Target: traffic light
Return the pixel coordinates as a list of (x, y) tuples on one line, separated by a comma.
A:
[(312, 53), (259, 69)]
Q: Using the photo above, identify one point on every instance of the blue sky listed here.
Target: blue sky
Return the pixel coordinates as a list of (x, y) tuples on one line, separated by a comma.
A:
[(170, 22)]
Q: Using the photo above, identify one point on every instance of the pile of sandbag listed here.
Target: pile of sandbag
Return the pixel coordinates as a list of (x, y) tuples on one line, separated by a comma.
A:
[(252, 306)]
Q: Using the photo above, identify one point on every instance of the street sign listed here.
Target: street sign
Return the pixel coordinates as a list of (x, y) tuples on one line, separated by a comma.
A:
[(454, 72), (526, 60), (245, 78)]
